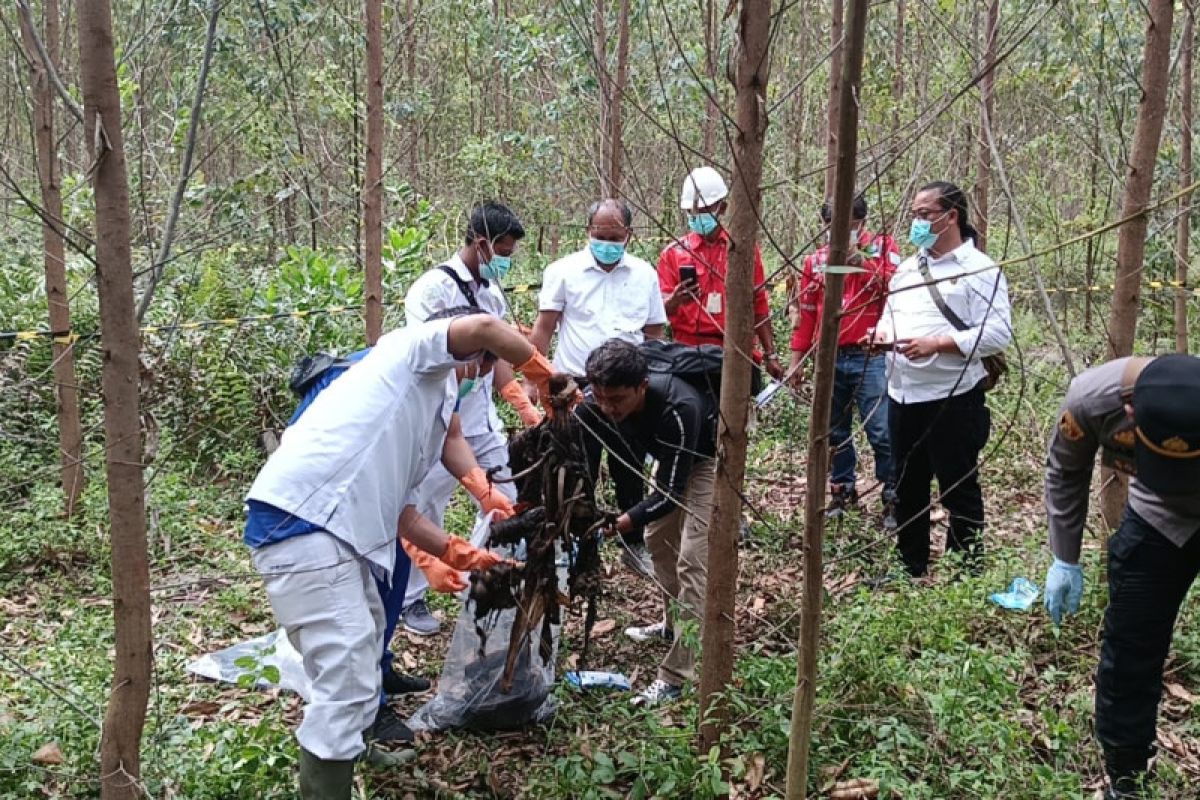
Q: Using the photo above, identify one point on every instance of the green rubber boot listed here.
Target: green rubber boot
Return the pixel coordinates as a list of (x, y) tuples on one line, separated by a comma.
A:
[(325, 780)]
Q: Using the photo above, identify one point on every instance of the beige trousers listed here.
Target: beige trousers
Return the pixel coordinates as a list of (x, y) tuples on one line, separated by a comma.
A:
[(678, 546)]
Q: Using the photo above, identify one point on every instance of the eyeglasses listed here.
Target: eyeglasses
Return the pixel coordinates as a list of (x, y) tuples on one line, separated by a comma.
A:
[(929, 213)]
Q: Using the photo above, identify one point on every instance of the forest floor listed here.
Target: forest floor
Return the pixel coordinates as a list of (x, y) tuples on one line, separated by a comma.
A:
[(928, 689)]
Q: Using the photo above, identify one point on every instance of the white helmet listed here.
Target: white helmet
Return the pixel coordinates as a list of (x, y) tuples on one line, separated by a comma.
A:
[(702, 187)]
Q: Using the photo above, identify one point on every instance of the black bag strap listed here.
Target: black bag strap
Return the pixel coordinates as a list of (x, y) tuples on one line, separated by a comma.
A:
[(463, 286), (938, 300)]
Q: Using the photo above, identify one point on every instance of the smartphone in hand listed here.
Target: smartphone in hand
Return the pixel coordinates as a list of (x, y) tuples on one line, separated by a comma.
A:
[(687, 274)]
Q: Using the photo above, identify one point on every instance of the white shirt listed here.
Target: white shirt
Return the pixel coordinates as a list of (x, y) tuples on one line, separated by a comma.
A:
[(353, 461), (436, 291), (597, 306), (977, 291)]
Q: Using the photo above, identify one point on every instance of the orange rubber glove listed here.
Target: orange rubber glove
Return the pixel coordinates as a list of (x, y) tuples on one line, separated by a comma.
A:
[(491, 498), (442, 577), (538, 370), (514, 393), (463, 555)]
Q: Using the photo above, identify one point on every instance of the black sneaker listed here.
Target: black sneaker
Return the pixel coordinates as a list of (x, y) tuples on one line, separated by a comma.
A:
[(399, 683), (389, 727), (841, 500)]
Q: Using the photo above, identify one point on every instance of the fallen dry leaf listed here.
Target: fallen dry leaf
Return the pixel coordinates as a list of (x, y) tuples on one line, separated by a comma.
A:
[(1179, 693), (48, 753), (603, 627), (855, 789)]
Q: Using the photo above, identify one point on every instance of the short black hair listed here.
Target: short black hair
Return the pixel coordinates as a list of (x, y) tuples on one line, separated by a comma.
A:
[(617, 363), (858, 210), (493, 221), (621, 205)]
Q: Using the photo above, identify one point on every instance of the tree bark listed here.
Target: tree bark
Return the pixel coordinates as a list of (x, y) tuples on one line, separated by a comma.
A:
[(1131, 239), (752, 74), (1182, 231), (836, 32), (986, 107), (600, 57), (712, 49), (120, 764), (804, 700), (70, 434), (373, 180), (616, 133)]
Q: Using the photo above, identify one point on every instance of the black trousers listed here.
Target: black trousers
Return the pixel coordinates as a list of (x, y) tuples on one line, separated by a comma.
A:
[(1148, 577), (942, 439)]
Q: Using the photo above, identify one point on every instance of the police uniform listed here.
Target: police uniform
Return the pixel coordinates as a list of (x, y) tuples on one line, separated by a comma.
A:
[(1154, 556)]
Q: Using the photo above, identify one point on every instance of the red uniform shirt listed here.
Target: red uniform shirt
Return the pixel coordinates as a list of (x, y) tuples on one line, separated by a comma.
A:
[(863, 293), (702, 321)]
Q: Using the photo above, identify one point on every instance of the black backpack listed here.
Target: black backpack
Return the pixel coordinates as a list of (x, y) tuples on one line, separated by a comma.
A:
[(699, 365), (310, 369)]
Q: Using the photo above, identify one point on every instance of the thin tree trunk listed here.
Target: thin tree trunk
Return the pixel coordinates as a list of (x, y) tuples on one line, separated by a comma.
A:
[(753, 59), (898, 67), (1182, 232), (986, 108), (989, 140), (600, 57), (120, 762), (712, 47), (185, 169), (836, 31), (804, 699), (1131, 238), (616, 133), (373, 182), (70, 435)]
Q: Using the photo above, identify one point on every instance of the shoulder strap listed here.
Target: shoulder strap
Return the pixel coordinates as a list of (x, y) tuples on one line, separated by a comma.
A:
[(463, 286), (938, 300), (1129, 375)]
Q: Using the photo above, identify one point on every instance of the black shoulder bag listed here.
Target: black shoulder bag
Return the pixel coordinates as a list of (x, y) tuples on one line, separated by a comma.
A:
[(463, 286), (995, 365)]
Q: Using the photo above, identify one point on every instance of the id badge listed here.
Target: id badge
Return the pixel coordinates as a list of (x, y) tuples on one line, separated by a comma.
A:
[(713, 306)]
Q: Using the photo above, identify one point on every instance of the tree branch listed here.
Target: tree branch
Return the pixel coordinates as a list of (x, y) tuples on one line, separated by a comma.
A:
[(185, 170), (47, 64)]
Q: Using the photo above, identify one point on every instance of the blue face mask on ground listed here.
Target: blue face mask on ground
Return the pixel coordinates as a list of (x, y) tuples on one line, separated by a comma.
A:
[(606, 252), (703, 224), (921, 235), (496, 268)]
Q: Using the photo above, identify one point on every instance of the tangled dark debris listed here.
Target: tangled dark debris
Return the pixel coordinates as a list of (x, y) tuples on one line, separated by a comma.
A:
[(557, 496)]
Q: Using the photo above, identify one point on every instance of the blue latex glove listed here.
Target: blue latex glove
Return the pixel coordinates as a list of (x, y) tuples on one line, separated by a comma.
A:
[(1064, 589)]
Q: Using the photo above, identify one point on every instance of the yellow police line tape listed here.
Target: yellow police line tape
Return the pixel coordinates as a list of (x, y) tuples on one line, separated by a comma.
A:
[(70, 337), (1108, 287)]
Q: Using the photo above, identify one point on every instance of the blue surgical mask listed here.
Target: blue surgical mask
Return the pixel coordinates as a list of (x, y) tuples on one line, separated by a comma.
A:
[(465, 387), (606, 253), (921, 235), (496, 268), (703, 224)]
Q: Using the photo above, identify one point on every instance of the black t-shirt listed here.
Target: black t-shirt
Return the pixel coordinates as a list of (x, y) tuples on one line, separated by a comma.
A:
[(677, 425)]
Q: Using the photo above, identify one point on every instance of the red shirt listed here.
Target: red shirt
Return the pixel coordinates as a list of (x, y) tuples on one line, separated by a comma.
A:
[(702, 321), (863, 293)]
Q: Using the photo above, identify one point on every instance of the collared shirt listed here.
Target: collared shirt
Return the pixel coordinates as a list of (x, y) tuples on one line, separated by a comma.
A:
[(702, 321), (598, 305), (352, 462), (677, 425), (1093, 418), (977, 291), (436, 291), (863, 293)]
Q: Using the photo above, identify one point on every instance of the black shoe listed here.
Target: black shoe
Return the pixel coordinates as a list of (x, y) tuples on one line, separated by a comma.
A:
[(1127, 768), (841, 500), (399, 683), (389, 727)]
